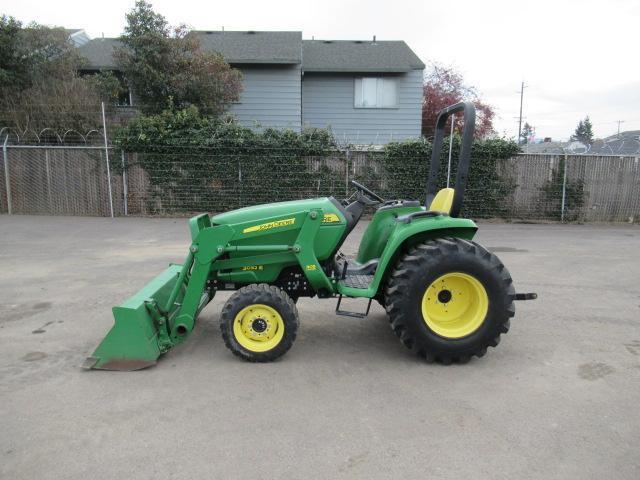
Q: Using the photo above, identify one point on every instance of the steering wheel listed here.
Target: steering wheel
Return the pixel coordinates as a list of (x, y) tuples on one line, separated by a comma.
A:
[(372, 196)]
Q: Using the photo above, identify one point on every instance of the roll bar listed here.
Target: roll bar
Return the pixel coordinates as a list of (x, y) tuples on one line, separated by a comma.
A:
[(463, 159)]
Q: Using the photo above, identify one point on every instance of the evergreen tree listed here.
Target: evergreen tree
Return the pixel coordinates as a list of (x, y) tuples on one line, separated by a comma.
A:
[(588, 130), (166, 66), (584, 132)]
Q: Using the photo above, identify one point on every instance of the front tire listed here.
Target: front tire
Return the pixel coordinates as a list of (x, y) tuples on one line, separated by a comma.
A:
[(259, 323), (449, 300)]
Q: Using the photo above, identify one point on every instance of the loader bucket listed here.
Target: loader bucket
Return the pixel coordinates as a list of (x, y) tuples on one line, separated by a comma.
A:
[(132, 343)]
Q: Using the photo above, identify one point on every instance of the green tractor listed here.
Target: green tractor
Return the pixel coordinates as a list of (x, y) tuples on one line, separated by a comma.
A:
[(448, 298)]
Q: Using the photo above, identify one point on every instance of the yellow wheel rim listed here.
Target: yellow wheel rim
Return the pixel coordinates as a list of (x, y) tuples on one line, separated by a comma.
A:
[(455, 305), (258, 327)]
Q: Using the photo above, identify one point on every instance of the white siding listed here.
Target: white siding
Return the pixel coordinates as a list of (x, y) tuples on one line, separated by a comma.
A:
[(328, 101), (270, 97)]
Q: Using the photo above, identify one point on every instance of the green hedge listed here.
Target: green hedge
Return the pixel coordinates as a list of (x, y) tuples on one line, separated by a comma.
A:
[(196, 163), (487, 192), (199, 164)]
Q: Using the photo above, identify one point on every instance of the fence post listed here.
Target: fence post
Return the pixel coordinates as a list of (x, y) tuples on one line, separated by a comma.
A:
[(7, 180), (48, 170), (346, 175), (564, 189), (241, 186), (106, 153), (125, 189)]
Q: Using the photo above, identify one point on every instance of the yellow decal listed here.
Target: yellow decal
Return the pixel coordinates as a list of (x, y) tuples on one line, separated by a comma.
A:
[(252, 267), (330, 218), (270, 225), (311, 267)]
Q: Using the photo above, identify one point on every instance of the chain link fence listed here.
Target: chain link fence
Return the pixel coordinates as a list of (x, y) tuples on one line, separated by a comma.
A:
[(78, 180)]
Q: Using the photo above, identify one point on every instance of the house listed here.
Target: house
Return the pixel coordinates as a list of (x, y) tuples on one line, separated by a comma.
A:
[(366, 92), (77, 36)]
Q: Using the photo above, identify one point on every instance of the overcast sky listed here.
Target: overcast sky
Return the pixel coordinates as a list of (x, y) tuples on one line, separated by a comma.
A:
[(577, 58)]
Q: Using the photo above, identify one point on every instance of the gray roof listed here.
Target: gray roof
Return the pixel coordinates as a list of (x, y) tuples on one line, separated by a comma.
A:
[(627, 143), (359, 56), (254, 47), (285, 48), (99, 52), (236, 47)]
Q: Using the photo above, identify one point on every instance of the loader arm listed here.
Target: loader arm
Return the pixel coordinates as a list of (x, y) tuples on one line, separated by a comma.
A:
[(164, 312)]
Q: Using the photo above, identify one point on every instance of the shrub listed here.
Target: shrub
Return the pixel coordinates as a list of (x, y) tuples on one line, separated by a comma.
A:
[(551, 196), (197, 163), (407, 164)]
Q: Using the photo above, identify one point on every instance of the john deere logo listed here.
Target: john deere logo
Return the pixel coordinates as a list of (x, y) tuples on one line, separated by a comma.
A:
[(330, 218), (270, 225)]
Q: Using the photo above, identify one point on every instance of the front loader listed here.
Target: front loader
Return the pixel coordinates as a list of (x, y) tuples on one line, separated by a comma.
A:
[(447, 297)]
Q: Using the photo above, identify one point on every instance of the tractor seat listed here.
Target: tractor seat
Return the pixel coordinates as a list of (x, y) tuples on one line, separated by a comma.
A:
[(440, 205), (443, 201)]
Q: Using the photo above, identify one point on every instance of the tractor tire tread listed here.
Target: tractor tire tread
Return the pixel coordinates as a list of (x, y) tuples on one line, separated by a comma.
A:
[(266, 294), (406, 326)]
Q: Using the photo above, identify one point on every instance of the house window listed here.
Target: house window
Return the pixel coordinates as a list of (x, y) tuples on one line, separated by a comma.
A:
[(376, 92)]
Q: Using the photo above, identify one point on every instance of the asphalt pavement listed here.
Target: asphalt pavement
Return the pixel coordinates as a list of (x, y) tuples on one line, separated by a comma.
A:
[(559, 398)]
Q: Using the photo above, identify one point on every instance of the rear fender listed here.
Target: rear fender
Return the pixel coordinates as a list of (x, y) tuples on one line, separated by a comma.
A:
[(405, 235)]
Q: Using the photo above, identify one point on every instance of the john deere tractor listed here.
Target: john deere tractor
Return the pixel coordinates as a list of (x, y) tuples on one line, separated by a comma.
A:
[(448, 298)]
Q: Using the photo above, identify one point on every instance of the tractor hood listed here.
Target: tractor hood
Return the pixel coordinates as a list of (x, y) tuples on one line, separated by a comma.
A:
[(268, 210)]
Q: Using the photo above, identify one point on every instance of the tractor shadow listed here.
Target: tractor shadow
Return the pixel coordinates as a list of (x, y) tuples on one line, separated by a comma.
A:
[(322, 335)]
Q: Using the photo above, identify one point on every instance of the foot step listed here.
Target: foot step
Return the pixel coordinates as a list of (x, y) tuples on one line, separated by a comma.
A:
[(346, 313), (357, 281)]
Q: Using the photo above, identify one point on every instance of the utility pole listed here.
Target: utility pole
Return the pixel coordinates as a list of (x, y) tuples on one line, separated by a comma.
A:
[(619, 122), (522, 87)]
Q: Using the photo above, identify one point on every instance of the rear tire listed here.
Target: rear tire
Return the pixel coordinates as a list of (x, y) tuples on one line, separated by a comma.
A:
[(449, 300), (259, 323)]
